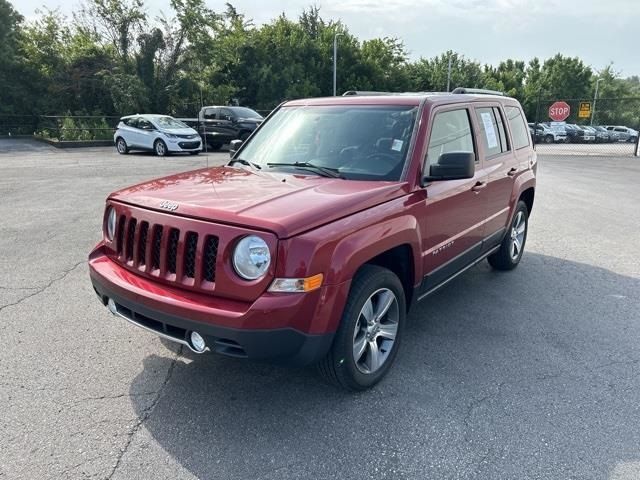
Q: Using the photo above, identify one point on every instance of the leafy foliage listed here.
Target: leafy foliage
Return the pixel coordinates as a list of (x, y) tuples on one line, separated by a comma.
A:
[(111, 59)]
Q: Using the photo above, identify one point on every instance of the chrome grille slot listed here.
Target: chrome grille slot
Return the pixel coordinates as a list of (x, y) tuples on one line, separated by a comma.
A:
[(190, 246), (209, 258), (172, 250)]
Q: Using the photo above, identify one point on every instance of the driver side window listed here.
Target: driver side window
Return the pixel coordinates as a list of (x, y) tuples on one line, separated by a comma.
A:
[(225, 114), (144, 124), (450, 132)]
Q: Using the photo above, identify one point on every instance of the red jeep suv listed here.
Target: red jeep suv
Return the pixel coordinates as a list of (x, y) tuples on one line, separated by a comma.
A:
[(327, 224)]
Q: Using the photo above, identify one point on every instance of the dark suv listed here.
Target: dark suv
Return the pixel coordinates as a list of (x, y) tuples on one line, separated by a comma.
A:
[(335, 216), (220, 125)]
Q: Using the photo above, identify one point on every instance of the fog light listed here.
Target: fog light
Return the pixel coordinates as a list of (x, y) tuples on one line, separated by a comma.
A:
[(197, 342), (111, 305)]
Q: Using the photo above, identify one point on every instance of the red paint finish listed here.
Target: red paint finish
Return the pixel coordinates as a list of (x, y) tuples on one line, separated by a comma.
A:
[(311, 225)]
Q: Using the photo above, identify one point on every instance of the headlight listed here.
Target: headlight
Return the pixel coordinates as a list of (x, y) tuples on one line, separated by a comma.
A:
[(111, 223), (251, 257), (170, 135)]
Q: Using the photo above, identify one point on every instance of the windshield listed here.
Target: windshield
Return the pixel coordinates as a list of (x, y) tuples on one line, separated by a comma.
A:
[(169, 122), (358, 142), (243, 112)]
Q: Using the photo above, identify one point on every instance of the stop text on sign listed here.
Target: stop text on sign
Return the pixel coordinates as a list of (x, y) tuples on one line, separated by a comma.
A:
[(559, 111)]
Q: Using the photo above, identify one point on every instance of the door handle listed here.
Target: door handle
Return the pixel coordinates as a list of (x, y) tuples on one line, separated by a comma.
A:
[(478, 186), (512, 172)]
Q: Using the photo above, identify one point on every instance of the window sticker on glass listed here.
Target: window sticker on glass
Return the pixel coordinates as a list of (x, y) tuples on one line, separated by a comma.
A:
[(397, 145), (489, 130)]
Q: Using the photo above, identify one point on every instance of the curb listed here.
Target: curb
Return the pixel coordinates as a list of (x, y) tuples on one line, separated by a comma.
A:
[(74, 143)]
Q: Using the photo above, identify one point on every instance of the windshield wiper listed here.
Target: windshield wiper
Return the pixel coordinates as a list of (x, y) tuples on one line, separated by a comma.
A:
[(244, 162), (323, 171)]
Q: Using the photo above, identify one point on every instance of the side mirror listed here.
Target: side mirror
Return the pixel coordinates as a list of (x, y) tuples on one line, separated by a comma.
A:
[(453, 166), (234, 146)]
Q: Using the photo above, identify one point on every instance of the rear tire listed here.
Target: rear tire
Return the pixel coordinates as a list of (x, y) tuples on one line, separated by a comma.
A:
[(215, 146), (508, 256), (121, 146), (369, 334), (160, 148)]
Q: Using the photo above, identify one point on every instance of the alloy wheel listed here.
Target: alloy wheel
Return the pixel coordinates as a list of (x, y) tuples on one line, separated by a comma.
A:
[(518, 231), (161, 150), (375, 331)]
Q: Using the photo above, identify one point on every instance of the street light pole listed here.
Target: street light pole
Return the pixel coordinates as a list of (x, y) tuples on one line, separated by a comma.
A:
[(449, 75), (335, 61), (595, 97)]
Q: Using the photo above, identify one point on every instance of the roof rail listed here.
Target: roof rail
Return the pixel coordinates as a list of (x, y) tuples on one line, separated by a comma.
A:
[(476, 91), (350, 93)]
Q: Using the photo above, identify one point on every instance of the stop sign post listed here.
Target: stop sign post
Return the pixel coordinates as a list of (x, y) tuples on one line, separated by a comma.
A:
[(559, 111)]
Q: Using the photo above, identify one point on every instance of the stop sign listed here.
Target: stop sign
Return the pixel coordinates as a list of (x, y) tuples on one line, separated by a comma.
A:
[(559, 111)]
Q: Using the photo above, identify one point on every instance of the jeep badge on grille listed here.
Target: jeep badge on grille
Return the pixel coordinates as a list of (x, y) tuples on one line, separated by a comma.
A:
[(167, 205)]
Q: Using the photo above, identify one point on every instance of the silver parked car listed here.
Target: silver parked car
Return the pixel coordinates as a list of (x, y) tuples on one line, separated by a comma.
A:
[(161, 134), (625, 134)]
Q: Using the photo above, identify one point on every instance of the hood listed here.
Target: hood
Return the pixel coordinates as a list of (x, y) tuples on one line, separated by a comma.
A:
[(179, 131), (282, 203), (250, 120)]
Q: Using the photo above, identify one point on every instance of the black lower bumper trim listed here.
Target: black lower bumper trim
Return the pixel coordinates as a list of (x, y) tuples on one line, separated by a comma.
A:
[(281, 346)]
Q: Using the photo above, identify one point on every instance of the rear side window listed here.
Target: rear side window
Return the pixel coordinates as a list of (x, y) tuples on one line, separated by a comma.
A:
[(130, 122), (519, 130), (210, 114), (493, 134), (451, 132)]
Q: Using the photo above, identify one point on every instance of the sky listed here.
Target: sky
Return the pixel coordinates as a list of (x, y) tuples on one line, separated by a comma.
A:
[(600, 32)]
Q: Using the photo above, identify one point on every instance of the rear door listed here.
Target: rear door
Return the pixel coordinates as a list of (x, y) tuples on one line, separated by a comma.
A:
[(129, 131), (452, 218), (501, 165)]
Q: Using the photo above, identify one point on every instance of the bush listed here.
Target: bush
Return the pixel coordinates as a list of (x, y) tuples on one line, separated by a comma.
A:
[(79, 129)]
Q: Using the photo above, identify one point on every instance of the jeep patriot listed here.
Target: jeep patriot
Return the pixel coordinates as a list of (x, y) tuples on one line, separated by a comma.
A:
[(326, 225)]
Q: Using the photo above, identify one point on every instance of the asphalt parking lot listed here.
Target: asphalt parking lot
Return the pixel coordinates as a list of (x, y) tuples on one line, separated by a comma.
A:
[(528, 374)]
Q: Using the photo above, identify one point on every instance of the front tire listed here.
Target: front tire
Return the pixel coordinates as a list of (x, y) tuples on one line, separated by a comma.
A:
[(508, 256), (370, 330), (160, 148), (548, 139), (121, 146)]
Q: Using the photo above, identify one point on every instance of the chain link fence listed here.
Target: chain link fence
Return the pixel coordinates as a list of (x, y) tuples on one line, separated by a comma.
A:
[(602, 126)]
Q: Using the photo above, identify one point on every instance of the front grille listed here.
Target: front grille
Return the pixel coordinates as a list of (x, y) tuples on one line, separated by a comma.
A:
[(191, 244), (142, 244), (155, 246), (189, 145), (172, 249), (188, 137), (209, 258), (166, 252), (131, 230)]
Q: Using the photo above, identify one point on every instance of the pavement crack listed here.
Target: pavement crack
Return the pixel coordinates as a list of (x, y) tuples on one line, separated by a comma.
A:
[(43, 288), (146, 413)]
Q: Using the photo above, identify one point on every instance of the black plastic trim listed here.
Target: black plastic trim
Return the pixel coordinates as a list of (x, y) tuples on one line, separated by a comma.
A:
[(285, 346)]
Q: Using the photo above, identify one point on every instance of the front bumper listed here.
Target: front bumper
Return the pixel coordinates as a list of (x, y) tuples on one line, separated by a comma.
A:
[(268, 329), (182, 145)]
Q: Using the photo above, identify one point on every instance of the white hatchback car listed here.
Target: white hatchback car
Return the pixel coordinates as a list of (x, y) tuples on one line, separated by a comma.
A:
[(161, 134)]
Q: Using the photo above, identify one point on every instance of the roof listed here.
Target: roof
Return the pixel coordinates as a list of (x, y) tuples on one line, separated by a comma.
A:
[(147, 115), (409, 99)]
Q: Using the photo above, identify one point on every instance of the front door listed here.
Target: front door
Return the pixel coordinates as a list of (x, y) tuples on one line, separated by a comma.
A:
[(146, 133), (452, 220)]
